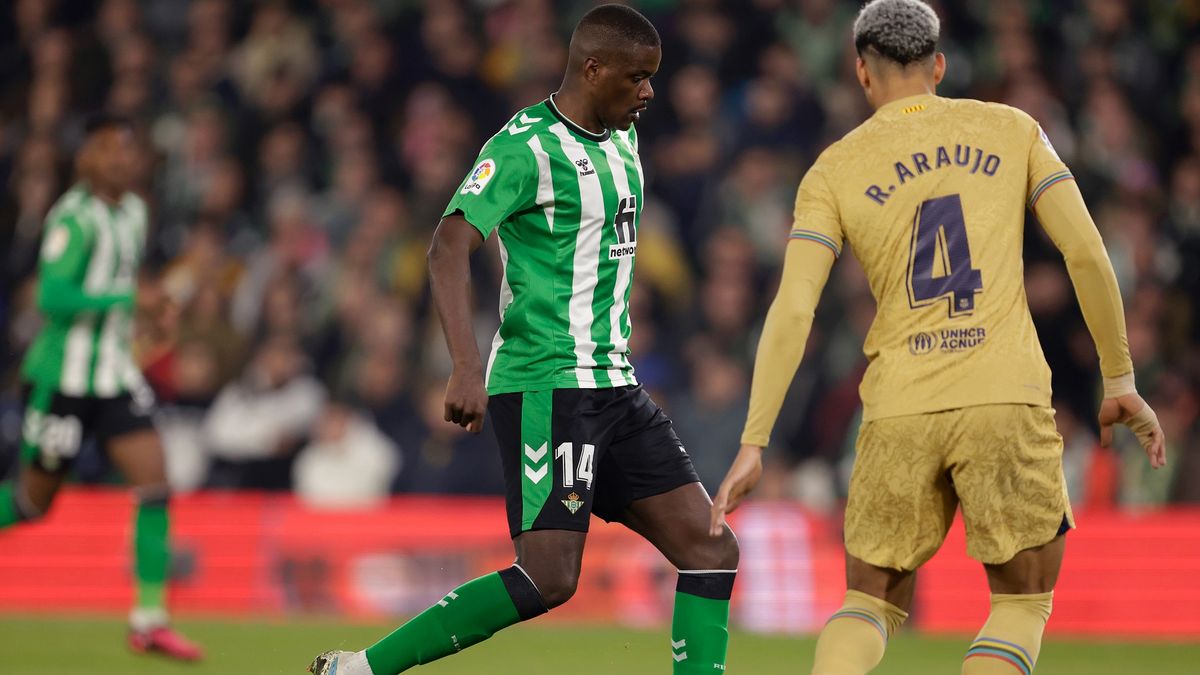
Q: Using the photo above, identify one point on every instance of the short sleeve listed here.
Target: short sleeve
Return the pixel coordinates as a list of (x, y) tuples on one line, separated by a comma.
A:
[(1045, 167), (502, 182), (816, 214), (65, 249)]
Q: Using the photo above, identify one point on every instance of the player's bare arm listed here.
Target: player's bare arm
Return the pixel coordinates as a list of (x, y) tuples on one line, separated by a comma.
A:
[(1063, 214), (450, 279), (806, 268)]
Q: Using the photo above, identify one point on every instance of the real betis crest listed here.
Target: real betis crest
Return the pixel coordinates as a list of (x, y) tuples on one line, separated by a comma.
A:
[(573, 503)]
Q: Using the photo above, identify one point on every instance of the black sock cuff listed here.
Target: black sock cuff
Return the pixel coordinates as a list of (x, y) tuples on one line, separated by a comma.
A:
[(525, 596), (159, 496), (714, 584)]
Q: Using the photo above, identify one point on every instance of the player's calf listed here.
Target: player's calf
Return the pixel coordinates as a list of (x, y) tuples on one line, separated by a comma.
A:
[(1012, 637), (700, 624)]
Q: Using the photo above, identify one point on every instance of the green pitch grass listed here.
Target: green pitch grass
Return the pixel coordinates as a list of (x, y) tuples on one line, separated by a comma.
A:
[(44, 645)]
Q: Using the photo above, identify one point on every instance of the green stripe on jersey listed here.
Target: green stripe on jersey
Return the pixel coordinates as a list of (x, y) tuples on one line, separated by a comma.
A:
[(565, 205)]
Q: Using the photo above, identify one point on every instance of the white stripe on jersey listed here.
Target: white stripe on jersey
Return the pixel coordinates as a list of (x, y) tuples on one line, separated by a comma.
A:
[(624, 267), (114, 333), (106, 381), (587, 259), (545, 189), (506, 298), (77, 357), (100, 264)]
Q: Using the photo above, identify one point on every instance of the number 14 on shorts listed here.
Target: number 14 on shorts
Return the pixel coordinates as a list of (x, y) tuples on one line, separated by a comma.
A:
[(570, 473)]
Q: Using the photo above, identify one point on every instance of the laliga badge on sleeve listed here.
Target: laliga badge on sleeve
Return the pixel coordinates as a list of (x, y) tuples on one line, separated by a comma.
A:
[(56, 243), (479, 177)]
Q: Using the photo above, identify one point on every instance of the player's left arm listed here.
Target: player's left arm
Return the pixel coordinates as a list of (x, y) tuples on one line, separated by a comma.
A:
[(813, 247), (1060, 209)]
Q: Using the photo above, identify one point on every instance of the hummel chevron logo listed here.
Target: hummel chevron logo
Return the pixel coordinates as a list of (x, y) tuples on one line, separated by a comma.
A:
[(677, 646), (515, 128), (536, 476), (536, 455)]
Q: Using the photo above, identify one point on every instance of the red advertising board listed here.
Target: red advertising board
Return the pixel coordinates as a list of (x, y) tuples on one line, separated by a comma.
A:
[(251, 554)]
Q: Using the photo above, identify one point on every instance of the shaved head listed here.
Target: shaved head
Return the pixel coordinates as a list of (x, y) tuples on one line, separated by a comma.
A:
[(611, 30), (614, 52)]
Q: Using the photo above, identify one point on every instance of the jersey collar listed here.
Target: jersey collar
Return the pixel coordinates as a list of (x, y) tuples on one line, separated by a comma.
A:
[(578, 130), (906, 103)]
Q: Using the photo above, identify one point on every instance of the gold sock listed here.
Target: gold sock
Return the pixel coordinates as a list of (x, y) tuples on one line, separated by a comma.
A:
[(854, 638), (1012, 637)]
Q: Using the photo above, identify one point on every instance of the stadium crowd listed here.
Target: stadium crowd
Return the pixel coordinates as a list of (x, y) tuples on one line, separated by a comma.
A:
[(297, 157)]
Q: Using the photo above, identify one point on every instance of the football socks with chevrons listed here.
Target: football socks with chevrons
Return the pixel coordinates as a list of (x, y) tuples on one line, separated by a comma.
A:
[(700, 625), (855, 637), (467, 615)]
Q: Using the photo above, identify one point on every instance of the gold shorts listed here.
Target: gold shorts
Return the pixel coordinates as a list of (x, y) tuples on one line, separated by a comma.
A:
[(1002, 463)]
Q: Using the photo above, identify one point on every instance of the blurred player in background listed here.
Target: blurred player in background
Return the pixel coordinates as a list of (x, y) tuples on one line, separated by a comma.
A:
[(561, 185), (79, 377), (931, 194)]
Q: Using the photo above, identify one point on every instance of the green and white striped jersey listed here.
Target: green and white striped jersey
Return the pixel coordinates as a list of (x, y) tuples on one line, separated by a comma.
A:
[(565, 205), (87, 275)]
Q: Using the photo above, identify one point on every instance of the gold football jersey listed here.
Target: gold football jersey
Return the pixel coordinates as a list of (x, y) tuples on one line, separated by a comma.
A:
[(931, 193)]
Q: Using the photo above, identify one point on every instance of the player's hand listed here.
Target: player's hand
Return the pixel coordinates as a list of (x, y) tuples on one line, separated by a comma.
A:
[(466, 400), (741, 479), (1132, 411)]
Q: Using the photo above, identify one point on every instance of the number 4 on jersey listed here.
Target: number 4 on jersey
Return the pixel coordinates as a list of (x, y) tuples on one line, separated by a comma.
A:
[(940, 258)]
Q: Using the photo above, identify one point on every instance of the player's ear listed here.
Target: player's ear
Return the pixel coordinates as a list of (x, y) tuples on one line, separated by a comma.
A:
[(939, 67), (864, 76), (591, 69)]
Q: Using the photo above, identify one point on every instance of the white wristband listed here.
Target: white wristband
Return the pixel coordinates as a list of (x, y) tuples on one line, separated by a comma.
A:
[(1119, 386)]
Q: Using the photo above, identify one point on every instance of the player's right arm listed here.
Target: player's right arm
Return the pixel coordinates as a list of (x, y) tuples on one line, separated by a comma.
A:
[(450, 280), (503, 182), (813, 246), (1056, 201), (66, 251)]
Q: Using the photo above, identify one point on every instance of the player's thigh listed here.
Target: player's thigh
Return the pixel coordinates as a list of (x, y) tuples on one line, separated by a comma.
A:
[(900, 503), (126, 428), (646, 461), (1007, 470), (550, 443), (1033, 570), (676, 523)]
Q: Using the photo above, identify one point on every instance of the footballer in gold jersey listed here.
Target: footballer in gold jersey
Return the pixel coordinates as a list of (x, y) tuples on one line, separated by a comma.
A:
[(931, 194)]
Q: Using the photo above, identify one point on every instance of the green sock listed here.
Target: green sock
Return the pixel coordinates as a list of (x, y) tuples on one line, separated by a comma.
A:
[(151, 554), (9, 514), (467, 615), (700, 627)]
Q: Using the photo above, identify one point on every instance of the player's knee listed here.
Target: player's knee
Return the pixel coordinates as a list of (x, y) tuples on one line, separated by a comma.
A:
[(556, 589), (714, 553)]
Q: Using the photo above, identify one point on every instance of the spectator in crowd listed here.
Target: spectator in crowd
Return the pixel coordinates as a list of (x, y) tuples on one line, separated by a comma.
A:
[(349, 464), (258, 421)]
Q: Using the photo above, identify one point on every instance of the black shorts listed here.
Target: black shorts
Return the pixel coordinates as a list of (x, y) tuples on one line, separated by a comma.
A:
[(568, 453), (56, 425)]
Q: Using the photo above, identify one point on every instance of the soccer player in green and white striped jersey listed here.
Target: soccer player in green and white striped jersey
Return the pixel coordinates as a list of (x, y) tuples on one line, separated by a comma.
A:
[(79, 377), (561, 186)]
